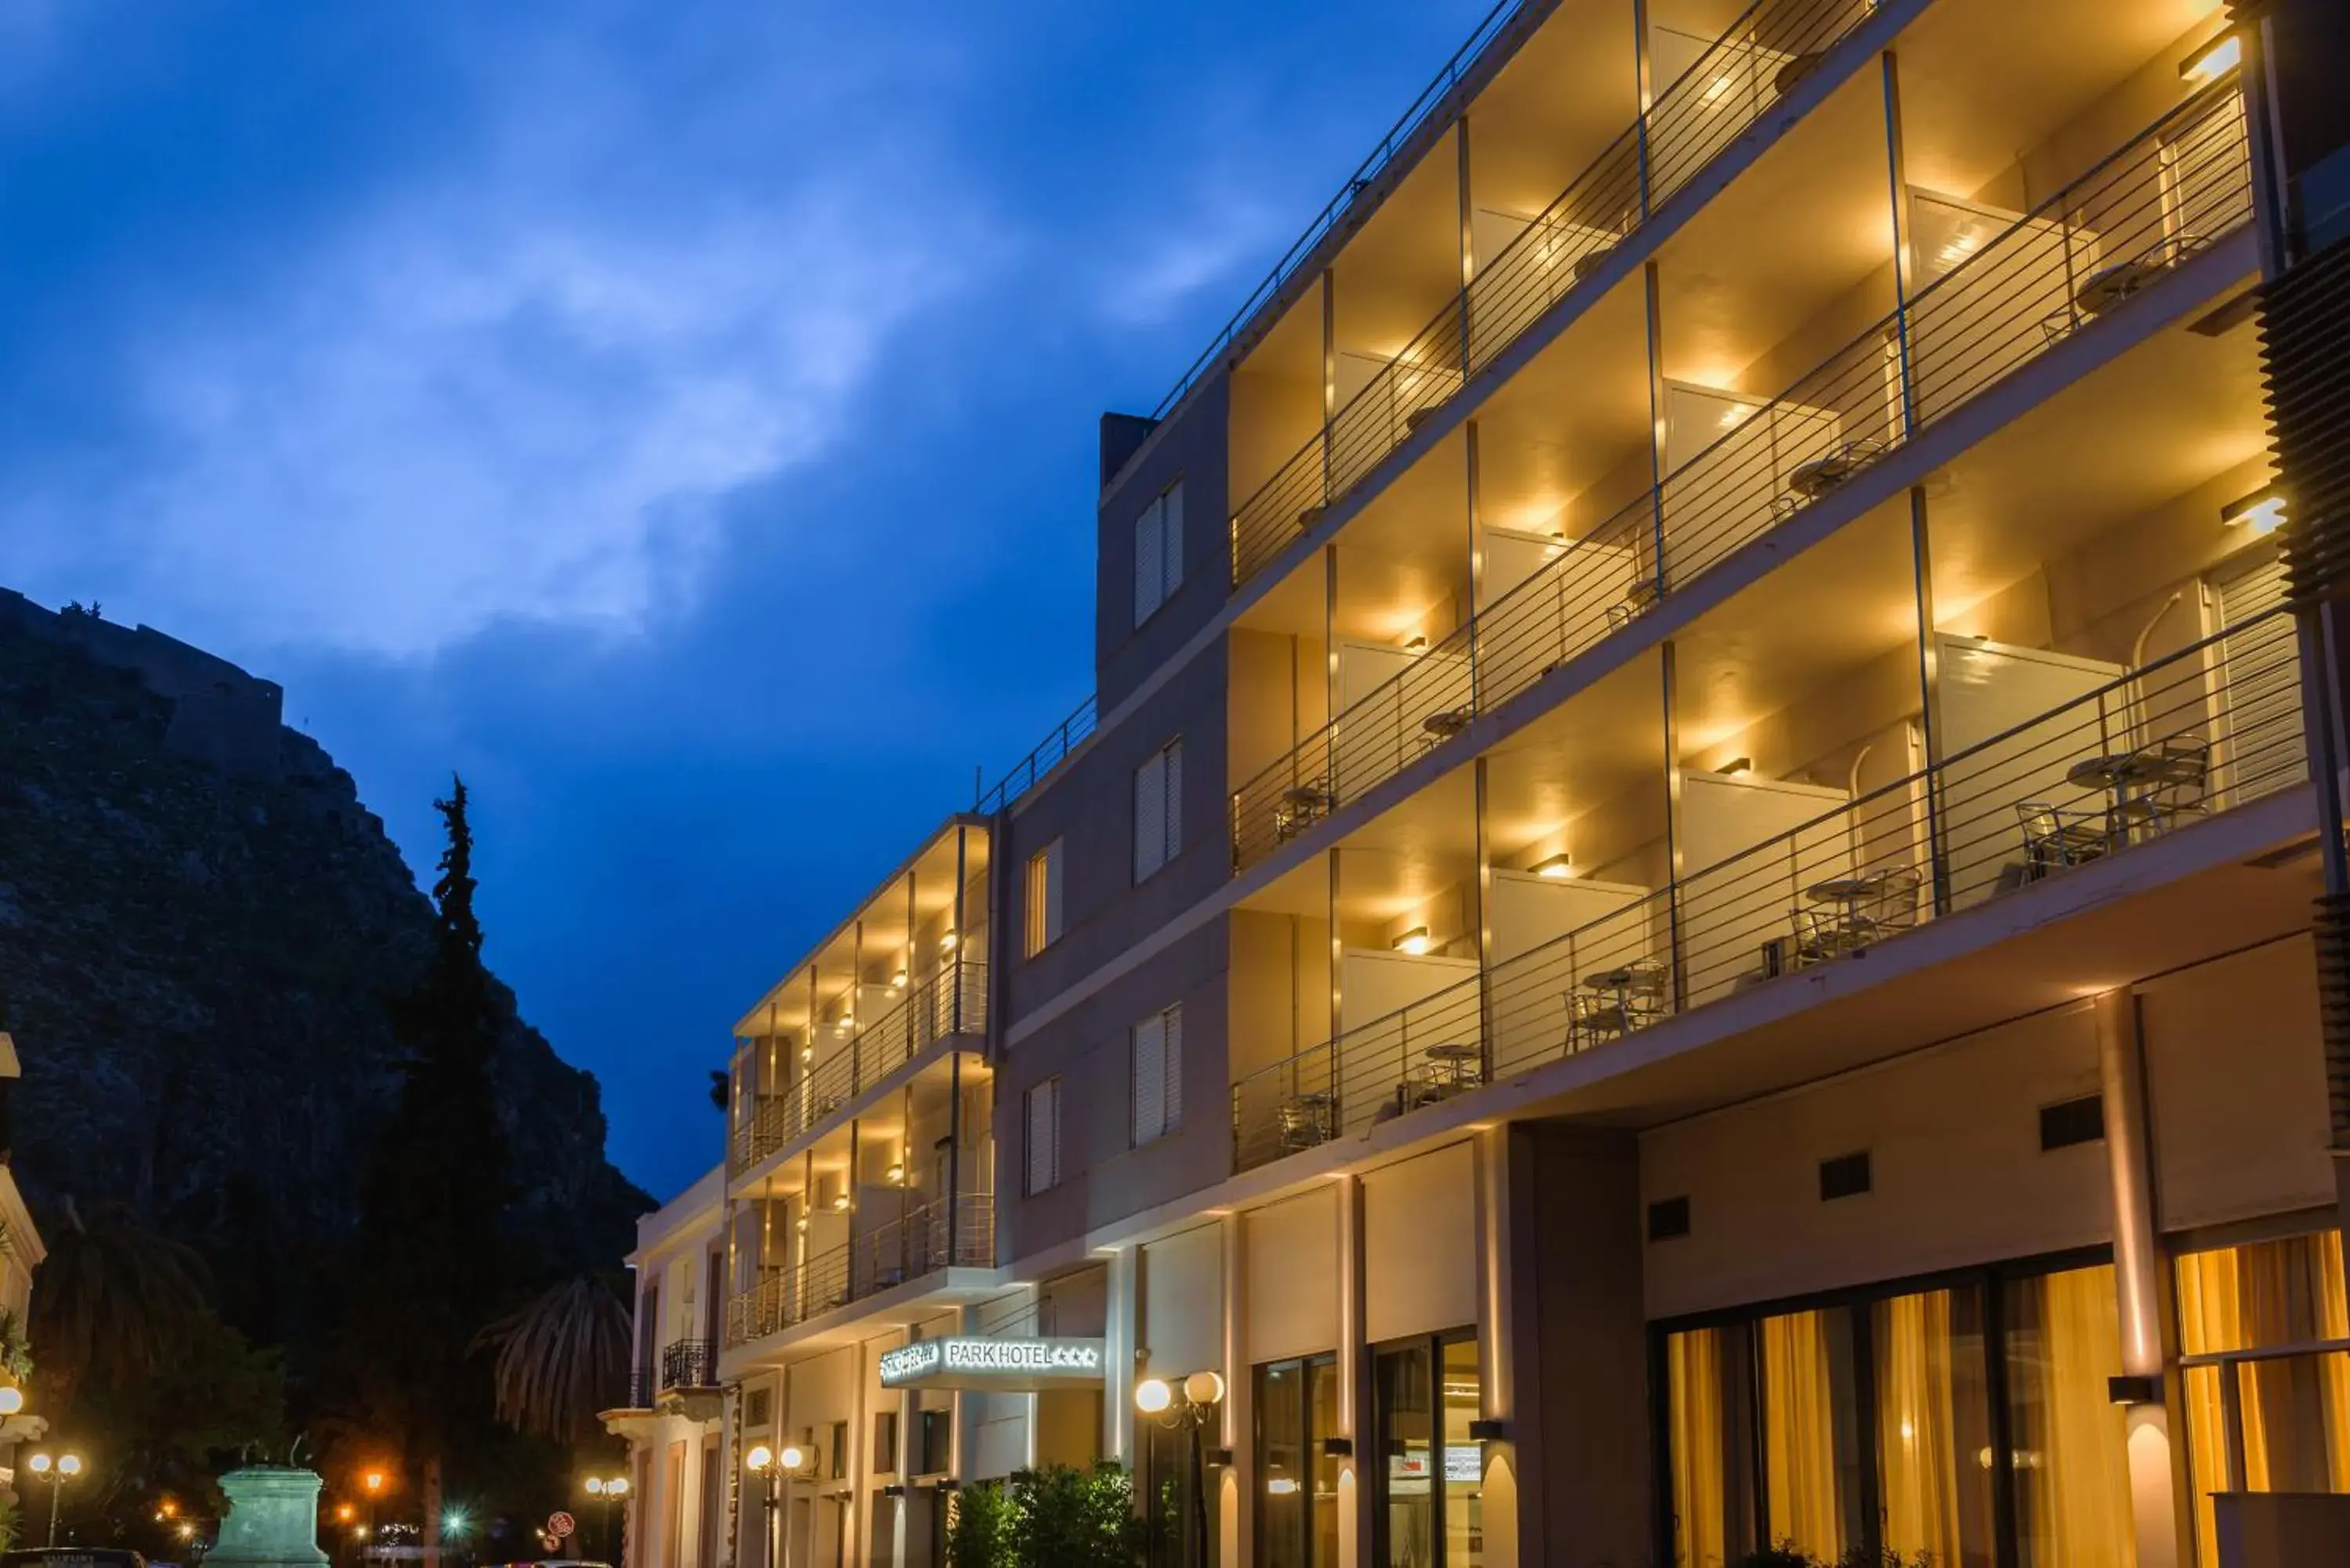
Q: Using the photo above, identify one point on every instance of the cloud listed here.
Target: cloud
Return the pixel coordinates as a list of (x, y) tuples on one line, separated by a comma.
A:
[(518, 387)]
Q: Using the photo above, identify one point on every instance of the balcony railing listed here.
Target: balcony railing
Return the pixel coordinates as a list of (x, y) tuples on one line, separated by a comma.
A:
[(2213, 726), (1749, 69), (2169, 194), (952, 1003), (689, 1364), (1046, 756), (921, 1241)]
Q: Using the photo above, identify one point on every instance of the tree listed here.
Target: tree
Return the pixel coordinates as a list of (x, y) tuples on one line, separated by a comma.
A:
[(560, 1360), (111, 1301), (720, 1088), (168, 1434), (434, 1261)]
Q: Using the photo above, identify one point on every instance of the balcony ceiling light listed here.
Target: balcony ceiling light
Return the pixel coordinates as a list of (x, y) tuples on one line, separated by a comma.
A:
[(1556, 868), (2216, 60), (1413, 941), (1736, 766), (839, 1202), (2263, 511)]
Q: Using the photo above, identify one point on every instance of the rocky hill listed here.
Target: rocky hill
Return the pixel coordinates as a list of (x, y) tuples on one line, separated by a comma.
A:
[(199, 927)]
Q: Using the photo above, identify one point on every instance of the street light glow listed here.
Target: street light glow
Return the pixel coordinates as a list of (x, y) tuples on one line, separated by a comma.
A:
[(12, 1399), (595, 1486), (758, 1459), (70, 1464), (374, 1480), (617, 1487), (453, 1522), (39, 1464), (793, 1458), (1152, 1396)]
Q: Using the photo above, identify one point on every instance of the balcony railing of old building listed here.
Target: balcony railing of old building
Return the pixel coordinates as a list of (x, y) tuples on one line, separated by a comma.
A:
[(951, 1003), (937, 1235), (2165, 195), (1753, 65), (2211, 727), (689, 1364)]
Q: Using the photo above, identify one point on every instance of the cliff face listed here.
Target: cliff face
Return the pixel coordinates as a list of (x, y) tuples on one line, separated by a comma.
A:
[(199, 927)]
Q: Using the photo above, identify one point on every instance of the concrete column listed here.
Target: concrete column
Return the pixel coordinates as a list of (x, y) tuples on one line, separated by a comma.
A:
[(1496, 1338), (2138, 1284), (1119, 1312), (1239, 1417), (1354, 1383)]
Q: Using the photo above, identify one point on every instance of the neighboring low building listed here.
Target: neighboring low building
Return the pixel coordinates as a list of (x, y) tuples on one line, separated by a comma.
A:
[(678, 1508), (20, 1256)]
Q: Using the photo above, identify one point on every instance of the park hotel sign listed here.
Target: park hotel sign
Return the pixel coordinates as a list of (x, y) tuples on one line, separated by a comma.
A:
[(1007, 1364)]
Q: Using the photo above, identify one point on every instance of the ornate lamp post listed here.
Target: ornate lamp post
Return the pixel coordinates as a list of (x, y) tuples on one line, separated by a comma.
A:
[(771, 1466), (1189, 1407), (608, 1490), (56, 1471)]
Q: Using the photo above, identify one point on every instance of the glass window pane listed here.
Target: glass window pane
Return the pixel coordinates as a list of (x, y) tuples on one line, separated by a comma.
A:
[(2296, 1411), (1464, 1458), (1322, 1401), (1933, 1428), (1402, 1384), (2072, 1478), (1280, 1465), (1709, 1390), (1811, 1431)]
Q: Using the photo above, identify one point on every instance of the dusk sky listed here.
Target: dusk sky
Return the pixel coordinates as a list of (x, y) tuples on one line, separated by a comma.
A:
[(679, 418)]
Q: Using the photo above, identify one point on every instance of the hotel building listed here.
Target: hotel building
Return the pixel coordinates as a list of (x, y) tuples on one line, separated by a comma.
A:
[(1691, 914)]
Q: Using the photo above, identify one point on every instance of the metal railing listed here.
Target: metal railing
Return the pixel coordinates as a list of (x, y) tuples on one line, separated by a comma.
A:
[(689, 1364), (1740, 76), (2210, 727), (1046, 756), (904, 1247), (2164, 196), (1335, 210), (950, 1003)]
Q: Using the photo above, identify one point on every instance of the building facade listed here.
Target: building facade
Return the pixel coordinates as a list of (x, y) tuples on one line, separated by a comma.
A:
[(1692, 913)]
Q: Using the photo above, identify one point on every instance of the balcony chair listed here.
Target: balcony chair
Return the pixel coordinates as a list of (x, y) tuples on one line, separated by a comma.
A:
[(1303, 1121), (1615, 1003), (1299, 807), (2180, 769), (2058, 837)]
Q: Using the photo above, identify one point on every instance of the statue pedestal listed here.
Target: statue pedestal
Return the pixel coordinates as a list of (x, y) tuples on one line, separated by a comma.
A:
[(272, 1522)]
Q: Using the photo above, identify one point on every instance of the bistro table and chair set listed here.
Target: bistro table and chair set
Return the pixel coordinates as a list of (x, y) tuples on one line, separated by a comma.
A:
[(2146, 792)]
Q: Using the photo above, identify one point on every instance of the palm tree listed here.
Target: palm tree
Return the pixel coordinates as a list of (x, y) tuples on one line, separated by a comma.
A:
[(561, 1359), (112, 1300)]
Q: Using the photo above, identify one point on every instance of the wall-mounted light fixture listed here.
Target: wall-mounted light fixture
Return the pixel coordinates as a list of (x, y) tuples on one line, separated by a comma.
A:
[(1413, 941), (1556, 868), (898, 981), (2263, 511), (839, 1202), (897, 1174), (1736, 766), (1488, 1429), (2214, 60), (1338, 1447), (2129, 1390), (1416, 642)]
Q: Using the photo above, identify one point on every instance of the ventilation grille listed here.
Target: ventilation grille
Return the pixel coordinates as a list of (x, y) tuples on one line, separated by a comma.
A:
[(2071, 1122), (1846, 1175), (1668, 1218)]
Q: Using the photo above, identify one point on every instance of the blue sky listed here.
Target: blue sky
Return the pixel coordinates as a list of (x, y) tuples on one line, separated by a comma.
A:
[(679, 419)]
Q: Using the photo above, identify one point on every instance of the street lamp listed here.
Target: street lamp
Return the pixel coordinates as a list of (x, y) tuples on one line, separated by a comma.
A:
[(608, 1490), (1189, 1406), (769, 1467), (58, 1470)]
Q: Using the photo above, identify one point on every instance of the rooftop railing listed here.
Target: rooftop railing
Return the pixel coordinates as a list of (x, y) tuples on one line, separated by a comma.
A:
[(1334, 211), (1753, 65), (2213, 726), (1047, 755), (921, 1241), (2162, 198), (950, 1003)]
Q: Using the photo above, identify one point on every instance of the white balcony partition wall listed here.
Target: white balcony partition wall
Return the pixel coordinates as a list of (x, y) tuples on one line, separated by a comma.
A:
[(1982, 690), (1552, 254), (1419, 1245), (1959, 337), (1722, 488), (1697, 118), (1382, 723), (1526, 909), (1733, 926), (2259, 723), (1389, 1041), (1559, 589)]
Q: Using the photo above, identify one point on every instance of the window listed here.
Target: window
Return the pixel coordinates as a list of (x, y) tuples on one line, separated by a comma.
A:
[(1158, 810), (1431, 1483), (934, 1440), (1044, 911), (839, 1450), (1158, 552), (1043, 1105), (2295, 1410), (1868, 1428), (885, 1442), (1158, 1056), (1297, 1496)]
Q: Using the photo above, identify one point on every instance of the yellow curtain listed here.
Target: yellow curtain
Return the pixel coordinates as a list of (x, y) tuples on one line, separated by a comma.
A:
[(1799, 1435), (2296, 1414), (2074, 1466), (1693, 1363), (1918, 1461)]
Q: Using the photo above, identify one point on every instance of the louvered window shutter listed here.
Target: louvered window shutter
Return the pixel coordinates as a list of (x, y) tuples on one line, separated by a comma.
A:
[(1150, 817), (1149, 561), (1173, 1049), (1172, 785), (1170, 506), (1150, 1078)]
